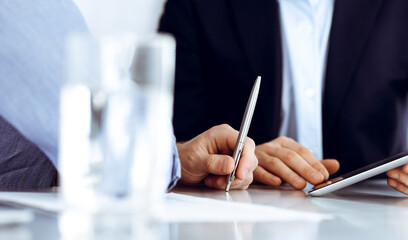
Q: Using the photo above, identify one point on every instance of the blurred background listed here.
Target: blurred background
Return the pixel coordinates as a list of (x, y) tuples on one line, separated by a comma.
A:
[(139, 16)]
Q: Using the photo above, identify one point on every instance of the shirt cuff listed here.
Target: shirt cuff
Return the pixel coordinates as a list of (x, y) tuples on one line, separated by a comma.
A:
[(176, 167)]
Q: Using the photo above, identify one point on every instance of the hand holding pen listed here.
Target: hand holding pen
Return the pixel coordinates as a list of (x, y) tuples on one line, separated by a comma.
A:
[(207, 157)]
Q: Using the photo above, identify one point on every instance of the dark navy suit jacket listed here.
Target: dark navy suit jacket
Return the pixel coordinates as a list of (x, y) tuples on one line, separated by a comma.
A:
[(22, 164), (224, 44)]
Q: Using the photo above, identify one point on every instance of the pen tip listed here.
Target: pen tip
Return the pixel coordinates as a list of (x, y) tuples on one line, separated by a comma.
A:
[(228, 187)]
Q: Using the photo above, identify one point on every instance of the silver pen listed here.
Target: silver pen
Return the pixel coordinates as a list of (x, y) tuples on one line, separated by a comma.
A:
[(243, 131)]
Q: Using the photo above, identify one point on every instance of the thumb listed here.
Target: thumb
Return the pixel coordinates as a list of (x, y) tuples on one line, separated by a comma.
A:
[(332, 165), (218, 164)]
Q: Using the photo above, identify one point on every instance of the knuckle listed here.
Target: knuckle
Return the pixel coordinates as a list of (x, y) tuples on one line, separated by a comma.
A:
[(294, 179), (249, 179), (282, 139), (245, 187), (290, 155), (303, 151), (272, 161), (246, 183), (250, 141), (255, 163), (259, 154), (264, 175), (212, 133), (268, 144), (261, 146), (225, 126), (271, 145), (297, 182), (285, 140)]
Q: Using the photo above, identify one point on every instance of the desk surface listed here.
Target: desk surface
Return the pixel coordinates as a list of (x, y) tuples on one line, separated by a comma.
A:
[(369, 210)]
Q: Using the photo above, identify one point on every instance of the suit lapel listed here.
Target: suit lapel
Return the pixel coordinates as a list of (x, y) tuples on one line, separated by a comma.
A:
[(257, 26), (352, 24)]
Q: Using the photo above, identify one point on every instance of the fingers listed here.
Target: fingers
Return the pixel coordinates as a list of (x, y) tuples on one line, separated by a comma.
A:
[(398, 179), (276, 166), (220, 182), (305, 154), (405, 168), (397, 186), (217, 164), (248, 161), (208, 154), (300, 166), (265, 177), (399, 175), (224, 138), (289, 161), (216, 182), (285, 163), (332, 165), (244, 176)]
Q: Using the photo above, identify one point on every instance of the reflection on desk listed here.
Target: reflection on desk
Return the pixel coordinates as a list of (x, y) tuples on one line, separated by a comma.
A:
[(368, 210)]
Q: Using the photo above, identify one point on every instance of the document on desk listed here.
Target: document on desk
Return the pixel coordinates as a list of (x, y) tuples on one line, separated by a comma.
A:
[(186, 208), (181, 208)]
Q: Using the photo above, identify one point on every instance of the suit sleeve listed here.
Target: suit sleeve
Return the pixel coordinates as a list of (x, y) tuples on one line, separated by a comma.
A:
[(190, 89), (22, 164), (32, 44)]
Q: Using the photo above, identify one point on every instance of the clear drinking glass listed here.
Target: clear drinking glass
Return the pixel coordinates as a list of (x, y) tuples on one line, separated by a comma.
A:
[(116, 133)]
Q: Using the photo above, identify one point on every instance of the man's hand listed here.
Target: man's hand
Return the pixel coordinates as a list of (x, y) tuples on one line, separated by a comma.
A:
[(283, 159), (398, 179), (208, 157)]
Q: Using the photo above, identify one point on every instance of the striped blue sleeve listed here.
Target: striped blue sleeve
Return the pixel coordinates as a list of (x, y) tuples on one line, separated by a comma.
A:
[(176, 167)]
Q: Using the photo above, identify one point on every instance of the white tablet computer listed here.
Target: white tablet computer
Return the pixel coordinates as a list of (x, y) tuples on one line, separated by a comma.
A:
[(360, 174)]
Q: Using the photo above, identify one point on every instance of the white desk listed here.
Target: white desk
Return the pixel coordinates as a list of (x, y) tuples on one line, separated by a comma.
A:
[(369, 210)]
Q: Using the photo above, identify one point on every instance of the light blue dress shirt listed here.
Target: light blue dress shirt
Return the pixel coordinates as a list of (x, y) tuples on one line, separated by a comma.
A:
[(32, 43), (305, 28)]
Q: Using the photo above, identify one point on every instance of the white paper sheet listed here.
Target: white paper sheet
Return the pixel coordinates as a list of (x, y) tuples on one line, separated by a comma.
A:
[(182, 208), (185, 208)]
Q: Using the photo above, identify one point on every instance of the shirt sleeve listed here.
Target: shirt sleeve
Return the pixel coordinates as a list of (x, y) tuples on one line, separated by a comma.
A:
[(32, 40), (176, 167)]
